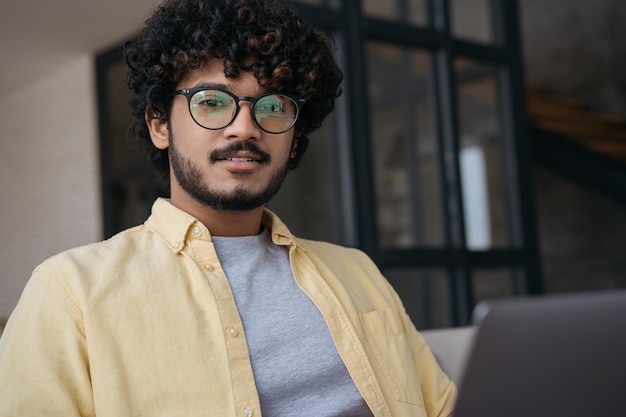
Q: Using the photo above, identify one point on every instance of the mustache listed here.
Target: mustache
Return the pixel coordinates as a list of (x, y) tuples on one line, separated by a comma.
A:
[(233, 148)]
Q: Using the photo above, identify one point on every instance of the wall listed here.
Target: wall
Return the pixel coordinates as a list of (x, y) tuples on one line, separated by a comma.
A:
[(576, 47), (582, 236), (48, 172)]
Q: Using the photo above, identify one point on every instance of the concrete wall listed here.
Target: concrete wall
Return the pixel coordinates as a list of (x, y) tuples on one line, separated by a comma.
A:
[(578, 47), (49, 181), (582, 236)]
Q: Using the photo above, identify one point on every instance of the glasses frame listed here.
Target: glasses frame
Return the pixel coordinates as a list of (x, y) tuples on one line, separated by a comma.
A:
[(190, 92)]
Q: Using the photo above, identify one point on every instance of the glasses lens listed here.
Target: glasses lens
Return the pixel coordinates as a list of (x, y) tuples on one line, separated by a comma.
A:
[(212, 109), (276, 113)]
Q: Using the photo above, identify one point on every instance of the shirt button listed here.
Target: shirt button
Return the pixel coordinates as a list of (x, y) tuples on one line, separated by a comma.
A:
[(247, 412), (177, 245), (208, 267), (233, 332), (196, 231)]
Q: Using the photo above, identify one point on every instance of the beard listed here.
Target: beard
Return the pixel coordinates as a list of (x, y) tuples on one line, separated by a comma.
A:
[(190, 179)]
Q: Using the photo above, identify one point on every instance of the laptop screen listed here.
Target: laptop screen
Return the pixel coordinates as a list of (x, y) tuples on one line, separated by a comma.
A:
[(560, 355)]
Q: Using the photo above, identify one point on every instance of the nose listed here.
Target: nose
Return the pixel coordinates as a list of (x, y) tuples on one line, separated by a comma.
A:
[(243, 126)]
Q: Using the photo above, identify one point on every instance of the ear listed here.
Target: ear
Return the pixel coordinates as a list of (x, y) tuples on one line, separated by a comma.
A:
[(159, 130), (294, 145)]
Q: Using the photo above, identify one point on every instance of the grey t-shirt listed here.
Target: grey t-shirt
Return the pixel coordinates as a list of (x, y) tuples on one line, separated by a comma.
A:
[(296, 366)]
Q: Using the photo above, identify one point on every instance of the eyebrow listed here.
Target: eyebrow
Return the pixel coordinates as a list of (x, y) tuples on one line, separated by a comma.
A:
[(228, 87), (204, 84)]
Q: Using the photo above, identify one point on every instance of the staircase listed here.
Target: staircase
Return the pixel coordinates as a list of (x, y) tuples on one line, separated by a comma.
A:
[(584, 145)]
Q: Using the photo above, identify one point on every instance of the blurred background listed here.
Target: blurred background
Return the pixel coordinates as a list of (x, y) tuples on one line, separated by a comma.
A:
[(478, 150)]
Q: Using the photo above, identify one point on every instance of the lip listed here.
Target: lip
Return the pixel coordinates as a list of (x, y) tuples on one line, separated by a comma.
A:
[(235, 165), (242, 161), (240, 158)]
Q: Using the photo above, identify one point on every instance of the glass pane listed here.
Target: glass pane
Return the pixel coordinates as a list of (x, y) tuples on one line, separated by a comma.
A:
[(306, 201), (489, 284), (125, 159), (410, 11), (482, 158), (425, 294), (472, 20), (404, 147), (131, 201)]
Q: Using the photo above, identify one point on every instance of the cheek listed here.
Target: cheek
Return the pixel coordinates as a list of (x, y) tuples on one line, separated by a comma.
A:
[(285, 154), (182, 123), (277, 146), (190, 138)]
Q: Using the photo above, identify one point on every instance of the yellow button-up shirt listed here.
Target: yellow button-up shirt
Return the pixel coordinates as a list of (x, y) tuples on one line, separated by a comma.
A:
[(145, 324)]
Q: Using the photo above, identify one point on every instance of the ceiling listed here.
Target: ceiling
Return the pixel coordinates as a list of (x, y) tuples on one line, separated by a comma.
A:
[(41, 37)]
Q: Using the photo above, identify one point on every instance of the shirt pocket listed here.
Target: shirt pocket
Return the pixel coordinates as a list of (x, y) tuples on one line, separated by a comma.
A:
[(387, 339)]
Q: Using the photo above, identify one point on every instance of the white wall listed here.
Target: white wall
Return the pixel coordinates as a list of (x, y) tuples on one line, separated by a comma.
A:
[(49, 180)]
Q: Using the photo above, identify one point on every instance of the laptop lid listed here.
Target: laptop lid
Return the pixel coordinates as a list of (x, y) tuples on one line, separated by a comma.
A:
[(556, 356)]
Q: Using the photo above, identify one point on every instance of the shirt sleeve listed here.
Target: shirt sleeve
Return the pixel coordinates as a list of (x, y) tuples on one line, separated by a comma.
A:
[(44, 367)]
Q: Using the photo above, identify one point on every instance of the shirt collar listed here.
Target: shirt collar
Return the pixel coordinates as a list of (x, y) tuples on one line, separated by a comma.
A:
[(174, 225), (281, 235)]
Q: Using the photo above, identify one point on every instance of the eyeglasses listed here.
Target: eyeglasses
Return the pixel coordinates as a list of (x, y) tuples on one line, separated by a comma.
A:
[(214, 108)]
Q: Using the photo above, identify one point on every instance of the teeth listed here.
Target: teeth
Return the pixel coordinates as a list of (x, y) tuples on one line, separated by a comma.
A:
[(240, 159)]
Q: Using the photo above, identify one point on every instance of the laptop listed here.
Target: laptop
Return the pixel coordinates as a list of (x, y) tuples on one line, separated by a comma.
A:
[(547, 356)]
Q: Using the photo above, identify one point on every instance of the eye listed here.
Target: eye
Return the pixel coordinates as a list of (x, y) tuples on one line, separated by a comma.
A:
[(275, 106), (211, 101)]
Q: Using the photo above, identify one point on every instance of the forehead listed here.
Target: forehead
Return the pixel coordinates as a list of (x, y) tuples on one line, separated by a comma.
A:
[(211, 74)]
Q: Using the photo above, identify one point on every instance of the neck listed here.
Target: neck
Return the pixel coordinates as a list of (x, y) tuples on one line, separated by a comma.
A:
[(220, 222), (233, 223)]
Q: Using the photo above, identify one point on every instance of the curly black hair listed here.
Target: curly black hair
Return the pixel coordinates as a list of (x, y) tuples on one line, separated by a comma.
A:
[(266, 37)]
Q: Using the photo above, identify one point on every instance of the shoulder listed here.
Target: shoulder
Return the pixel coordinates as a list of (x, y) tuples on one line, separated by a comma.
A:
[(98, 251), (350, 266), (101, 262), (330, 252)]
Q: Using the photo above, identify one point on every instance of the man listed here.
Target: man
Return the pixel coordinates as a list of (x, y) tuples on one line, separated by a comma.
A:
[(212, 307)]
